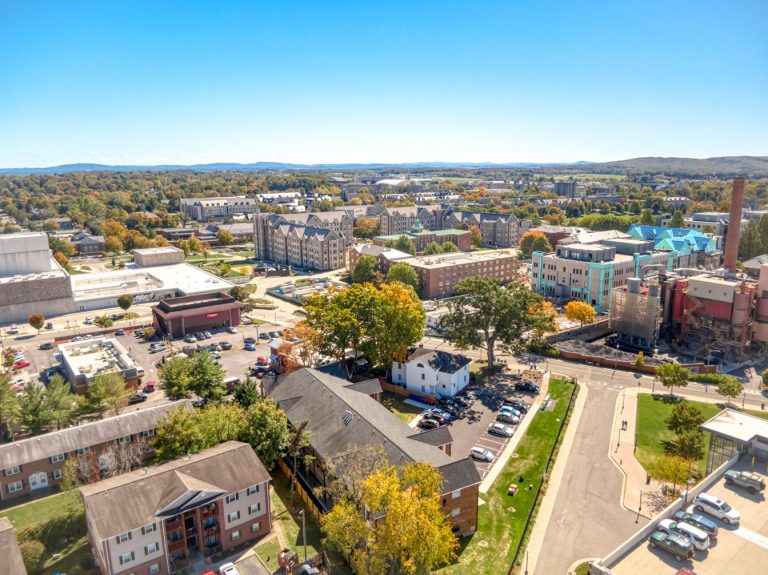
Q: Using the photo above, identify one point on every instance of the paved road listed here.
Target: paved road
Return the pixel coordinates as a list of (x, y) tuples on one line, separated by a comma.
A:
[(588, 520)]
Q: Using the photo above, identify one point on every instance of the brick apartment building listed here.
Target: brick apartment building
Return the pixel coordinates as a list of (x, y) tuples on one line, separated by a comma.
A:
[(164, 518), (205, 209), (303, 246), (439, 274), (178, 316), (385, 256), (345, 417), (33, 465)]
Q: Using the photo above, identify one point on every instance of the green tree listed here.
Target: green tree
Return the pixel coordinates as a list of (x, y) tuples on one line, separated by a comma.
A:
[(646, 218), (534, 241), (673, 469), (9, 409), (449, 247), (37, 321), (103, 322), (367, 228), (176, 378), (402, 243), (106, 392), (684, 417), (677, 220), (365, 269), (433, 248), (69, 476), (690, 445), (765, 377), (224, 237), (486, 314), (34, 414), (125, 301), (672, 375), (206, 377), (220, 422), (730, 387), (267, 431), (414, 535), (403, 273), (247, 393), (177, 434), (640, 360), (32, 553), (240, 293), (113, 245), (61, 404)]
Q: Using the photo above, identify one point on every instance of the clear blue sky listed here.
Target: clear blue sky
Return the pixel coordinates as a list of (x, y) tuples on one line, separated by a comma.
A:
[(150, 82)]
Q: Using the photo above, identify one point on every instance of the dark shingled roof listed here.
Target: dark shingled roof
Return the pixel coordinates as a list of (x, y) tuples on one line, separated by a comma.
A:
[(11, 561), (343, 420), (161, 490), (440, 360), (438, 436)]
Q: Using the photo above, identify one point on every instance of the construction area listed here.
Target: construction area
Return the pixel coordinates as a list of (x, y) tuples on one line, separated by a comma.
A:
[(635, 314)]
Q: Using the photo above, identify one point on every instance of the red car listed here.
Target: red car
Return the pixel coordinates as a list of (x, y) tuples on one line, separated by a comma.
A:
[(261, 360), (22, 364), (685, 571)]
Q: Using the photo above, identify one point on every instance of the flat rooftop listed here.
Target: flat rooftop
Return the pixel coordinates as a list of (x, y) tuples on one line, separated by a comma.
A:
[(737, 425), (137, 280), (448, 232), (459, 258), (96, 356), (55, 272), (155, 251)]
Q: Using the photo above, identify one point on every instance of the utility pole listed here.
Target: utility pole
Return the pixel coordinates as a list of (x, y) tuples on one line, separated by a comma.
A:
[(304, 533)]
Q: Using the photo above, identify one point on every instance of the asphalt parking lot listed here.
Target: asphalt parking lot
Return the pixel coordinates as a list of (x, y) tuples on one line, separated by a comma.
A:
[(742, 549)]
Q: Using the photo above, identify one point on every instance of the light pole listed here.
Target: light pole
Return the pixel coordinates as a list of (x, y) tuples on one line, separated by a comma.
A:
[(304, 533), (526, 562), (653, 388)]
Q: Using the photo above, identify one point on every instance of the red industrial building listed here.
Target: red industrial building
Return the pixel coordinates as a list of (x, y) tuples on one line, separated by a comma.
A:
[(178, 316)]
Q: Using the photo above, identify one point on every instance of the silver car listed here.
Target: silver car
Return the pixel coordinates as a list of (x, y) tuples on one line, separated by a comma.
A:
[(481, 453)]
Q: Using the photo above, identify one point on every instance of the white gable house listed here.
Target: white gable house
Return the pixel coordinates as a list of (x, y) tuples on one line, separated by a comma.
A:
[(436, 373)]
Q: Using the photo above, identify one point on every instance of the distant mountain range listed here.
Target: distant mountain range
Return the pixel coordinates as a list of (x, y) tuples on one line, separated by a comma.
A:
[(727, 165)]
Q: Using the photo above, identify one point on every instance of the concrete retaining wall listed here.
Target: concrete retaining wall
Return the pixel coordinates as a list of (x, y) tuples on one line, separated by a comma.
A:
[(594, 330)]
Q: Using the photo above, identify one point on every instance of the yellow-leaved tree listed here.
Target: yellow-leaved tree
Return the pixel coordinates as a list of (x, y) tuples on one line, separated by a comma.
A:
[(580, 311)]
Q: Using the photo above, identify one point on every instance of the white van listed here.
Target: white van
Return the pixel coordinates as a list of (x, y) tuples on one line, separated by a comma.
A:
[(231, 382)]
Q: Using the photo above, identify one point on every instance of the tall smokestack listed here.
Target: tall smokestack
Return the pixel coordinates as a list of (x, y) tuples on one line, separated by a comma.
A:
[(734, 225)]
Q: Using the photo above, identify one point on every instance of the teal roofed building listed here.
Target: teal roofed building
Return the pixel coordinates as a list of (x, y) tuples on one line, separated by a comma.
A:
[(666, 239)]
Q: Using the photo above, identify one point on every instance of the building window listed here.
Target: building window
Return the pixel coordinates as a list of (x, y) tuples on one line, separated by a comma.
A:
[(83, 450), (255, 527), (148, 433), (127, 558), (255, 508), (456, 512), (254, 489), (233, 497), (124, 440), (152, 527), (12, 470), (123, 537), (423, 376), (234, 516), (57, 474), (154, 569), (456, 494), (151, 548), (15, 486), (58, 458), (235, 536)]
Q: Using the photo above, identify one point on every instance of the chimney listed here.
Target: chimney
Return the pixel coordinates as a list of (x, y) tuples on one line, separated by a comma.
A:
[(734, 225)]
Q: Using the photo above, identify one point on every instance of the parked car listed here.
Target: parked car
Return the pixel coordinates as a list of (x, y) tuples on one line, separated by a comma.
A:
[(228, 569), (88, 321), (120, 331), (225, 345), (115, 317), (21, 364), (232, 329), (481, 453), (189, 338), (679, 546), (716, 507), (207, 335), (264, 336), (501, 429), (149, 387), (520, 406), (699, 539), (250, 346), (685, 571), (274, 334), (137, 397), (49, 325), (13, 330), (506, 417), (261, 360), (435, 417), (199, 335), (216, 354), (442, 412), (527, 386), (88, 336), (705, 524), (428, 424), (249, 340), (511, 410), (154, 348), (752, 482), (139, 333)]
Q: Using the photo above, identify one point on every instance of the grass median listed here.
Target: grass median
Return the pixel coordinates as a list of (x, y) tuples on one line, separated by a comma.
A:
[(502, 518)]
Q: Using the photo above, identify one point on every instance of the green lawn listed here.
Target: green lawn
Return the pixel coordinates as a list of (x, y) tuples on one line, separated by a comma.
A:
[(70, 562), (583, 569), (653, 437), (41, 510), (501, 520), (268, 553), (397, 406)]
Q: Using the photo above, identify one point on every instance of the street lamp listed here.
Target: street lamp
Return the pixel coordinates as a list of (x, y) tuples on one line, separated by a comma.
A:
[(526, 562), (304, 533)]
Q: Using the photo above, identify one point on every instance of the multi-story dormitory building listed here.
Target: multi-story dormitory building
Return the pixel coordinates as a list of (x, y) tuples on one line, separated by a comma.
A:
[(37, 463), (278, 238), (205, 209), (175, 515)]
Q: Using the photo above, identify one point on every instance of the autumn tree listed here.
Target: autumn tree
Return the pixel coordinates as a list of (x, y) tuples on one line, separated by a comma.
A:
[(403, 273), (304, 343), (113, 245), (366, 228), (730, 387), (580, 311), (37, 321), (485, 314), (69, 476), (640, 360), (61, 259), (365, 269), (224, 237), (672, 375), (477, 235), (412, 537), (673, 469), (534, 241)]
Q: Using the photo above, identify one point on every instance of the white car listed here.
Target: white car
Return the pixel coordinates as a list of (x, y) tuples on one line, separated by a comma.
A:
[(228, 569), (501, 429), (481, 453), (507, 417), (232, 329), (699, 539), (716, 507)]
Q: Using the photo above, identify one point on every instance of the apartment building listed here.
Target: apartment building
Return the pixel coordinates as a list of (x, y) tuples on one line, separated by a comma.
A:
[(12, 563), (439, 274), (164, 518), (337, 221), (385, 256), (496, 230), (396, 221), (205, 209), (462, 239), (345, 417), (589, 272), (32, 465), (297, 245)]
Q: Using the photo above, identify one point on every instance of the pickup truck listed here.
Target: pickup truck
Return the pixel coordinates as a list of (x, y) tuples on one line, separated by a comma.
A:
[(752, 482)]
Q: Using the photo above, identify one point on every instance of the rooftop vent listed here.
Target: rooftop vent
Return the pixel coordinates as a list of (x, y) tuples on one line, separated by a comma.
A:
[(347, 417)]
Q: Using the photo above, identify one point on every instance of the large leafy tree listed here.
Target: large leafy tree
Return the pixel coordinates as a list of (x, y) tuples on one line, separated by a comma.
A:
[(106, 392), (534, 241), (367, 228), (206, 377), (125, 301), (267, 431), (9, 409), (365, 269), (177, 434), (684, 417), (690, 444), (34, 413), (730, 387), (60, 402), (486, 314), (413, 536), (403, 273), (302, 347), (580, 311), (175, 378), (672, 375), (37, 321), (402, 243)]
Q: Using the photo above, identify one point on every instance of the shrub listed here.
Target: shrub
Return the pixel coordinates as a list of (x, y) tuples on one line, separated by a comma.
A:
[(708, 378), (32, 552)]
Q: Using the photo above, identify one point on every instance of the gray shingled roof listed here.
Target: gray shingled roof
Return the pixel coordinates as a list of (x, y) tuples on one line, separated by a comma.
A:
[(342, 421), (11, 561), (71, 439), (440, 360), (228, 467)]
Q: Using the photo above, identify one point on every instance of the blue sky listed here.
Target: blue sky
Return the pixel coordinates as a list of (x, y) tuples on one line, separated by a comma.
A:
[(148, 82)]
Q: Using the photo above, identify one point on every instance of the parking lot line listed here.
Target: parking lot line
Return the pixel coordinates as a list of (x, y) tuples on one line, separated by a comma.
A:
[(752, 537), (492, 440)]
